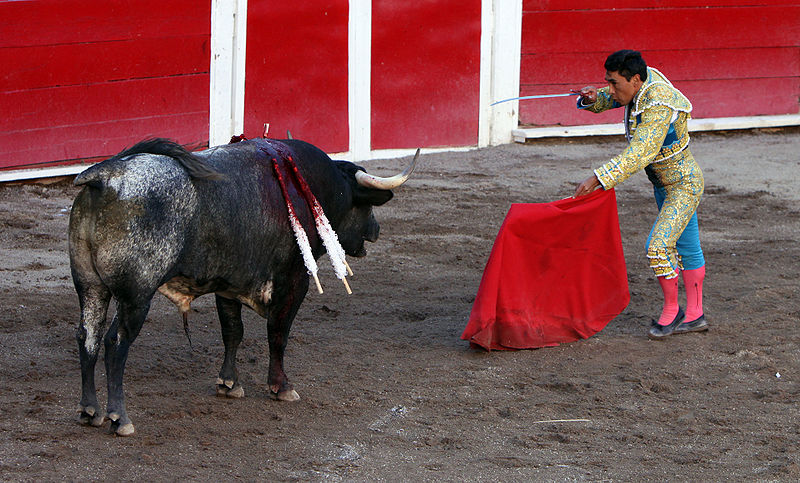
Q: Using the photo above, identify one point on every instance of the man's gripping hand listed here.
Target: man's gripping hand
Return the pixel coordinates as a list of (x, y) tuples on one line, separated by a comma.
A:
[(589, 184), (588, 95)]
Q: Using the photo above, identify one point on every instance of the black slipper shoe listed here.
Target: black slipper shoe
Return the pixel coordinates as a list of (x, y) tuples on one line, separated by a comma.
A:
[(697, 325), (658, 331)]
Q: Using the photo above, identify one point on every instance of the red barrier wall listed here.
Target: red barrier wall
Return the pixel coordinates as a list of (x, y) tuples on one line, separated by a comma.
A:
[(730, 57), (83, 78)]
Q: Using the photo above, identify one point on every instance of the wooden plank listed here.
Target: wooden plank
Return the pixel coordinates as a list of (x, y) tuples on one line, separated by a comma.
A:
[(554, 5), (586, 68), (723, 98), (39, 66), (51, 22), (139, 98), (663, 29), (42, 146), (425, 73), (74, 118), (297, 71), (743, 97)]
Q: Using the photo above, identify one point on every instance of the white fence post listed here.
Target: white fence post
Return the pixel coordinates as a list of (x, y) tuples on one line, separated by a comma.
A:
[(501, 38), (228, 47), (359, 83)]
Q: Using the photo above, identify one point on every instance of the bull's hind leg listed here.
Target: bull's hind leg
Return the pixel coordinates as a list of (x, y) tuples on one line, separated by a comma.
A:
[(94, 306), (127, 323), (230, 319), (93, 296)]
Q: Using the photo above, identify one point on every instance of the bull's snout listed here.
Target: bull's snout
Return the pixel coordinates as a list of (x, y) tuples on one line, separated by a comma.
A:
[(373, 230), (370, 234)]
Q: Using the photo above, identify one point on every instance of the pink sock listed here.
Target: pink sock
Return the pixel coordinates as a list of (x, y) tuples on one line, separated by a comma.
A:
[(693, 281), (670, 309)]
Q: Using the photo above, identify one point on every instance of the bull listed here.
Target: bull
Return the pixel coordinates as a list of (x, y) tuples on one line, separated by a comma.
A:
[(158, 218)]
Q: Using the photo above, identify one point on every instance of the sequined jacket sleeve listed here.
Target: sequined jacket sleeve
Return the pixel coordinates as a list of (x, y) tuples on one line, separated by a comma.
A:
[(646, 141)]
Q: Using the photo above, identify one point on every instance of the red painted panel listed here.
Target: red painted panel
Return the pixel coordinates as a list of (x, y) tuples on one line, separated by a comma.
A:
[(86, 78), (425, 73), (297, 71), (718, 98), (559, 111), (696, 28), (714, 52), (44, 125)]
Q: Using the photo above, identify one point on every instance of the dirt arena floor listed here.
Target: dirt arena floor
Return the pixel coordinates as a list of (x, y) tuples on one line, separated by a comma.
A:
[(388, 390)]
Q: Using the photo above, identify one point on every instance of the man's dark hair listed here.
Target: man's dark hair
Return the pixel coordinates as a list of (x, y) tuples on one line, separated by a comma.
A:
[(628, 63)]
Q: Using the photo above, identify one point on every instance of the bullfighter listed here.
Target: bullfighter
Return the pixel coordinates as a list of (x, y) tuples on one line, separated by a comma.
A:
[(656, 118)]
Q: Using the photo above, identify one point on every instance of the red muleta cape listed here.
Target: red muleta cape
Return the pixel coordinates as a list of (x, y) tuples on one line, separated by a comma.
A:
[(556, 274)]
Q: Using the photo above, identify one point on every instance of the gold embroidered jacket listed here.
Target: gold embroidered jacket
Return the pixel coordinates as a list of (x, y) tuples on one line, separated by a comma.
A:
[(655, 126)]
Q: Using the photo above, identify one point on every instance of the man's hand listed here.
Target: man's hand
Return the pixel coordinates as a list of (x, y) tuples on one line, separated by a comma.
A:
[(590, 184), (588, 95)]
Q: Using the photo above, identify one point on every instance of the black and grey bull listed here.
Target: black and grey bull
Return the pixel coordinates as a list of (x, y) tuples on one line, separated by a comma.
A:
[(156, 218)]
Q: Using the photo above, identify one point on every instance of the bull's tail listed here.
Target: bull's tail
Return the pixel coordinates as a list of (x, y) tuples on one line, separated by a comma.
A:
[(196, 167)]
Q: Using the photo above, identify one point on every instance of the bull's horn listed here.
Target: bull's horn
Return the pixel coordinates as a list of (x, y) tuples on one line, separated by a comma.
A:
[(370, 181)]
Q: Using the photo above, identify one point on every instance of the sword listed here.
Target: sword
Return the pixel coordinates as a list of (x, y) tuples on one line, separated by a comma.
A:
[(543, 96)]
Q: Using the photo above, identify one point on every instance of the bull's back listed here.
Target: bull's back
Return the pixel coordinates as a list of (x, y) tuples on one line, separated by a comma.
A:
[(245, 233)]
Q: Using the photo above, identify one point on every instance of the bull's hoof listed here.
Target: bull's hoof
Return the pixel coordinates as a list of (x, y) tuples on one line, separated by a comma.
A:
[(123, 430), (90, 416), (118, 427), (289, 395), (235, 392)]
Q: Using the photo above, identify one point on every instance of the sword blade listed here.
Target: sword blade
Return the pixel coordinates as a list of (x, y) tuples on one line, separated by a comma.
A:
[(542, 96)]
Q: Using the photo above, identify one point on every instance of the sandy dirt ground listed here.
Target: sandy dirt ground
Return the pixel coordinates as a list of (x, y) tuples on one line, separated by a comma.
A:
[(388, 390)]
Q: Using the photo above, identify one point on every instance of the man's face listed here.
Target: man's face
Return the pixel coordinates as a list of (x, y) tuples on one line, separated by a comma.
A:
[(621, 89)]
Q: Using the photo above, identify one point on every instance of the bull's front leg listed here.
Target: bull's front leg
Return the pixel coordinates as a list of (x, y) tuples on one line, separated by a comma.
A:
[(279, 321), (94, 306), (230, 319)]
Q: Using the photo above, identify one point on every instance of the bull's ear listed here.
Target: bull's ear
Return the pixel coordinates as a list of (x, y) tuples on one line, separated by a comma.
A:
[(362, 195), (369, 196)]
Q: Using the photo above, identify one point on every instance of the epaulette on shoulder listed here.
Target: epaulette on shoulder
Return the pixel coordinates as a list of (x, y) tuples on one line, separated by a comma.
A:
[(661, 94)]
